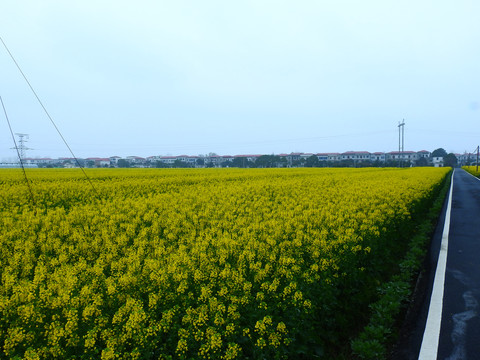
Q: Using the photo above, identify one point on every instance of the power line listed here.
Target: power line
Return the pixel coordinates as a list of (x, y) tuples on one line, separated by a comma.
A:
[(48, 115), (182, 147), (18, 153)]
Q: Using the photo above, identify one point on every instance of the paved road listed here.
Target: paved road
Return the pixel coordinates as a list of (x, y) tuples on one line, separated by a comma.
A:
[(459, 329)]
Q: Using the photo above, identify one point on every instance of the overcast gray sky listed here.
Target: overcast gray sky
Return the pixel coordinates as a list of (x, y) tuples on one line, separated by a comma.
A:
[(177, 77)]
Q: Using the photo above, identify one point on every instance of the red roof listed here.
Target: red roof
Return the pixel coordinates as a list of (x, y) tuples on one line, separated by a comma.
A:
[(98, 159), (356, 152), (401, 152), (136, 157)]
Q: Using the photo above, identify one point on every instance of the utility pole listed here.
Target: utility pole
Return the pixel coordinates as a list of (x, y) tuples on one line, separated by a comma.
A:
[(21, 147), (478, 149), (401, 140)]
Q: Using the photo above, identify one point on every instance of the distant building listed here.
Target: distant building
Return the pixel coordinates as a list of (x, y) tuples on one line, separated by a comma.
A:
[(356, 156), (423, 154), (40, 161), (251, 158), (404, 156), (305, 156), (466, 159), (292, 159), (114, 160), (6, 165), (378, 156), (98, 162), (136, 160), (437, 161)]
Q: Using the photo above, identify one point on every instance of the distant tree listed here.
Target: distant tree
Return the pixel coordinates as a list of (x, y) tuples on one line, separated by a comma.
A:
[(298, 163), (180, 164), (421, 162), (263, 161), (241, 162), (200, 162), (390, 163), (450, 160), (122, 163), (365, 163), (440, 152), (267, 161), (347, 163), (312, 161), (90, 163), (160, 164)]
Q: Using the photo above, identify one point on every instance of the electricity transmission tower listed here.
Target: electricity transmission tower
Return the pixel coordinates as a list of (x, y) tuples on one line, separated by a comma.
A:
[(21, 147)]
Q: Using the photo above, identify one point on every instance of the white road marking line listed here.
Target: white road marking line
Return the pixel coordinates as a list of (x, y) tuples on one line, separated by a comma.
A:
[(429, 348)]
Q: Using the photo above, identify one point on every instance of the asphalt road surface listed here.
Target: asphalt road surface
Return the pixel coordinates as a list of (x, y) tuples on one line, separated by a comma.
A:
[(460, 327), (457, 333)]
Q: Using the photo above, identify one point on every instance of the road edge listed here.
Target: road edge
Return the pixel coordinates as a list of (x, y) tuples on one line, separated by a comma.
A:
[(429, 347)]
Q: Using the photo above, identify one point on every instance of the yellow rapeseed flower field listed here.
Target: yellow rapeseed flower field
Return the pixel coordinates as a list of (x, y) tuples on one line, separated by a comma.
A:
[(207, 263), (472, 170)]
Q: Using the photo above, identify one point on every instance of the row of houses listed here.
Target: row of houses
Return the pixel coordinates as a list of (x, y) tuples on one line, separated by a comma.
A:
[(116, 161), (292, 159)]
